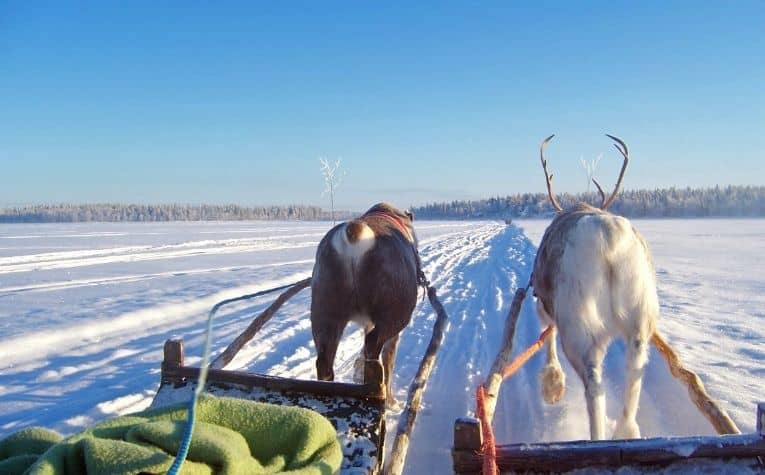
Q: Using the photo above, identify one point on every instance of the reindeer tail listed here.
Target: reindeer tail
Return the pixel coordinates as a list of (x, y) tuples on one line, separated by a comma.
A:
[(355, 229)]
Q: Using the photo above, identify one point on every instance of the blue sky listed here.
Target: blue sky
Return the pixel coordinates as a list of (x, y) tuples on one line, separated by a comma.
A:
[(218, 102)]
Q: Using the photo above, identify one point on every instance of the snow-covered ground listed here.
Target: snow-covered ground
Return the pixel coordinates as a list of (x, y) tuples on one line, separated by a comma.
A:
[(85, 309)]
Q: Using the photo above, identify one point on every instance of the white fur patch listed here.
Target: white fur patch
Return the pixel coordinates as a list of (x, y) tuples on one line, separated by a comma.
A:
[(350, 252), (353, 250), (362, 319)]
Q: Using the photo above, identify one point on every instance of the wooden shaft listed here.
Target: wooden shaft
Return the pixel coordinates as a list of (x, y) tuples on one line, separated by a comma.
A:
[(494, 379), (228, 354), (714, 413), (409, 415)]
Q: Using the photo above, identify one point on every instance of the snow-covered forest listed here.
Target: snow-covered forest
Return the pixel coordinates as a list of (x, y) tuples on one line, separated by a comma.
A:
[(114, 212), (728, 201)]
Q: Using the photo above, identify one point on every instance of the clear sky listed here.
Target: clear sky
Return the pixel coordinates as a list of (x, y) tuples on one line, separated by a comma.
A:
[(156, 102)]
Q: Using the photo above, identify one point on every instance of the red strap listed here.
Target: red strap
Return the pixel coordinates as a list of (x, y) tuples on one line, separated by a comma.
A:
[(524, 356), (488, 449)]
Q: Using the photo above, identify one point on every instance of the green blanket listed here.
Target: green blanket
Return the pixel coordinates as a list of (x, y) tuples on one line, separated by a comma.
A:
[(231, 436)]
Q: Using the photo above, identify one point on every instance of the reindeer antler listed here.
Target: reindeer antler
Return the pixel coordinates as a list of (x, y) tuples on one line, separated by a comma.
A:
[(622, 148), (600, 191), (548, 178)]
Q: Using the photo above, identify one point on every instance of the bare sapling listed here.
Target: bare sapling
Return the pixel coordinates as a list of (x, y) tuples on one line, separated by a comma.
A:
[(332, 178)]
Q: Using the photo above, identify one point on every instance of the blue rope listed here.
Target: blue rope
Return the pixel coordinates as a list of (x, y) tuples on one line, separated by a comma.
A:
[(183, 450)]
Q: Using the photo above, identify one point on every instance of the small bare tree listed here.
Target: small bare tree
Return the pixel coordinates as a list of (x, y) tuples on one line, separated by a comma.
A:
[(589, 168), (332, 178)]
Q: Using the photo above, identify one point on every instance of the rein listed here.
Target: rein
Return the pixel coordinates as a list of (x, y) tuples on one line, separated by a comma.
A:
[(395, 220)]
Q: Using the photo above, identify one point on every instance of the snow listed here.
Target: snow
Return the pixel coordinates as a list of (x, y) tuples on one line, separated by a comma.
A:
[(86, 308)]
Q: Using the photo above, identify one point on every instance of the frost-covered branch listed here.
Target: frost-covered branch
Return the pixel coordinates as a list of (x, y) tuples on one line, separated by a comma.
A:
[(589, 168), (332, 178)]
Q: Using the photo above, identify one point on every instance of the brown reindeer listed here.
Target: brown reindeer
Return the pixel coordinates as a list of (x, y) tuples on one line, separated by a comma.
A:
[(594, 280), (366, 271)]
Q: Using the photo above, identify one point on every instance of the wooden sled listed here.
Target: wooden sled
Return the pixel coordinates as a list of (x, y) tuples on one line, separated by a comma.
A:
[(356, 410)]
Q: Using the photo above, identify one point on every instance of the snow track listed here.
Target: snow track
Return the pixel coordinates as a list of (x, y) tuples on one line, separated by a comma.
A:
[(85, 310)]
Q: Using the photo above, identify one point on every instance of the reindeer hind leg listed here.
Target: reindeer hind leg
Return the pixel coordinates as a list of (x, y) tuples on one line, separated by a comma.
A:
[(637, 357), (552, 377), (586, 356), (592, 376), (388, 360), (358, 363), (326, 337)]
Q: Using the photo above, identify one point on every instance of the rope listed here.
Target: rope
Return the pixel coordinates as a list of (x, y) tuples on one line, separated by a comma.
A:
[(183, 450)]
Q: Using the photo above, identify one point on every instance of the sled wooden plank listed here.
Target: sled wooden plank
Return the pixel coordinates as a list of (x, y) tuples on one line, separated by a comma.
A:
[(273, 383), (174, 371), (549, 457)]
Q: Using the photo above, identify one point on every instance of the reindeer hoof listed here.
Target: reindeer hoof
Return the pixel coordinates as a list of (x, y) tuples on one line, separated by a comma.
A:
[(392, 405), (358, 370), (553, 383), (626, 429)]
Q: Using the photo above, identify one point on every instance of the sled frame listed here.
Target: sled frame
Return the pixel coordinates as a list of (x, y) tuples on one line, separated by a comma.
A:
[(357, 411)]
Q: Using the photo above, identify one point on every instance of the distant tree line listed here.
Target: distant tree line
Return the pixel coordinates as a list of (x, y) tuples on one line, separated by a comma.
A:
[(731, 201), (167, 212)]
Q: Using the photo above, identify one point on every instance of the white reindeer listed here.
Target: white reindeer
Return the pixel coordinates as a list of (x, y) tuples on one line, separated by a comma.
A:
[(594, 280)]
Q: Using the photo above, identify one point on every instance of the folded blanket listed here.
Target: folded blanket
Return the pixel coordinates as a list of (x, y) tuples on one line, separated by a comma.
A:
[(21, 449), (231, 436)]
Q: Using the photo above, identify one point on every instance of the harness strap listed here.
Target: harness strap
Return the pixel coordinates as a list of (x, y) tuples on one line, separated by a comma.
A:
[(395, 220)]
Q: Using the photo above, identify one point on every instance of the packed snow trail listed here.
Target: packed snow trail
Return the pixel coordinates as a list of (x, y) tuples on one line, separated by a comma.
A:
[(477, 273), (84, 315)]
